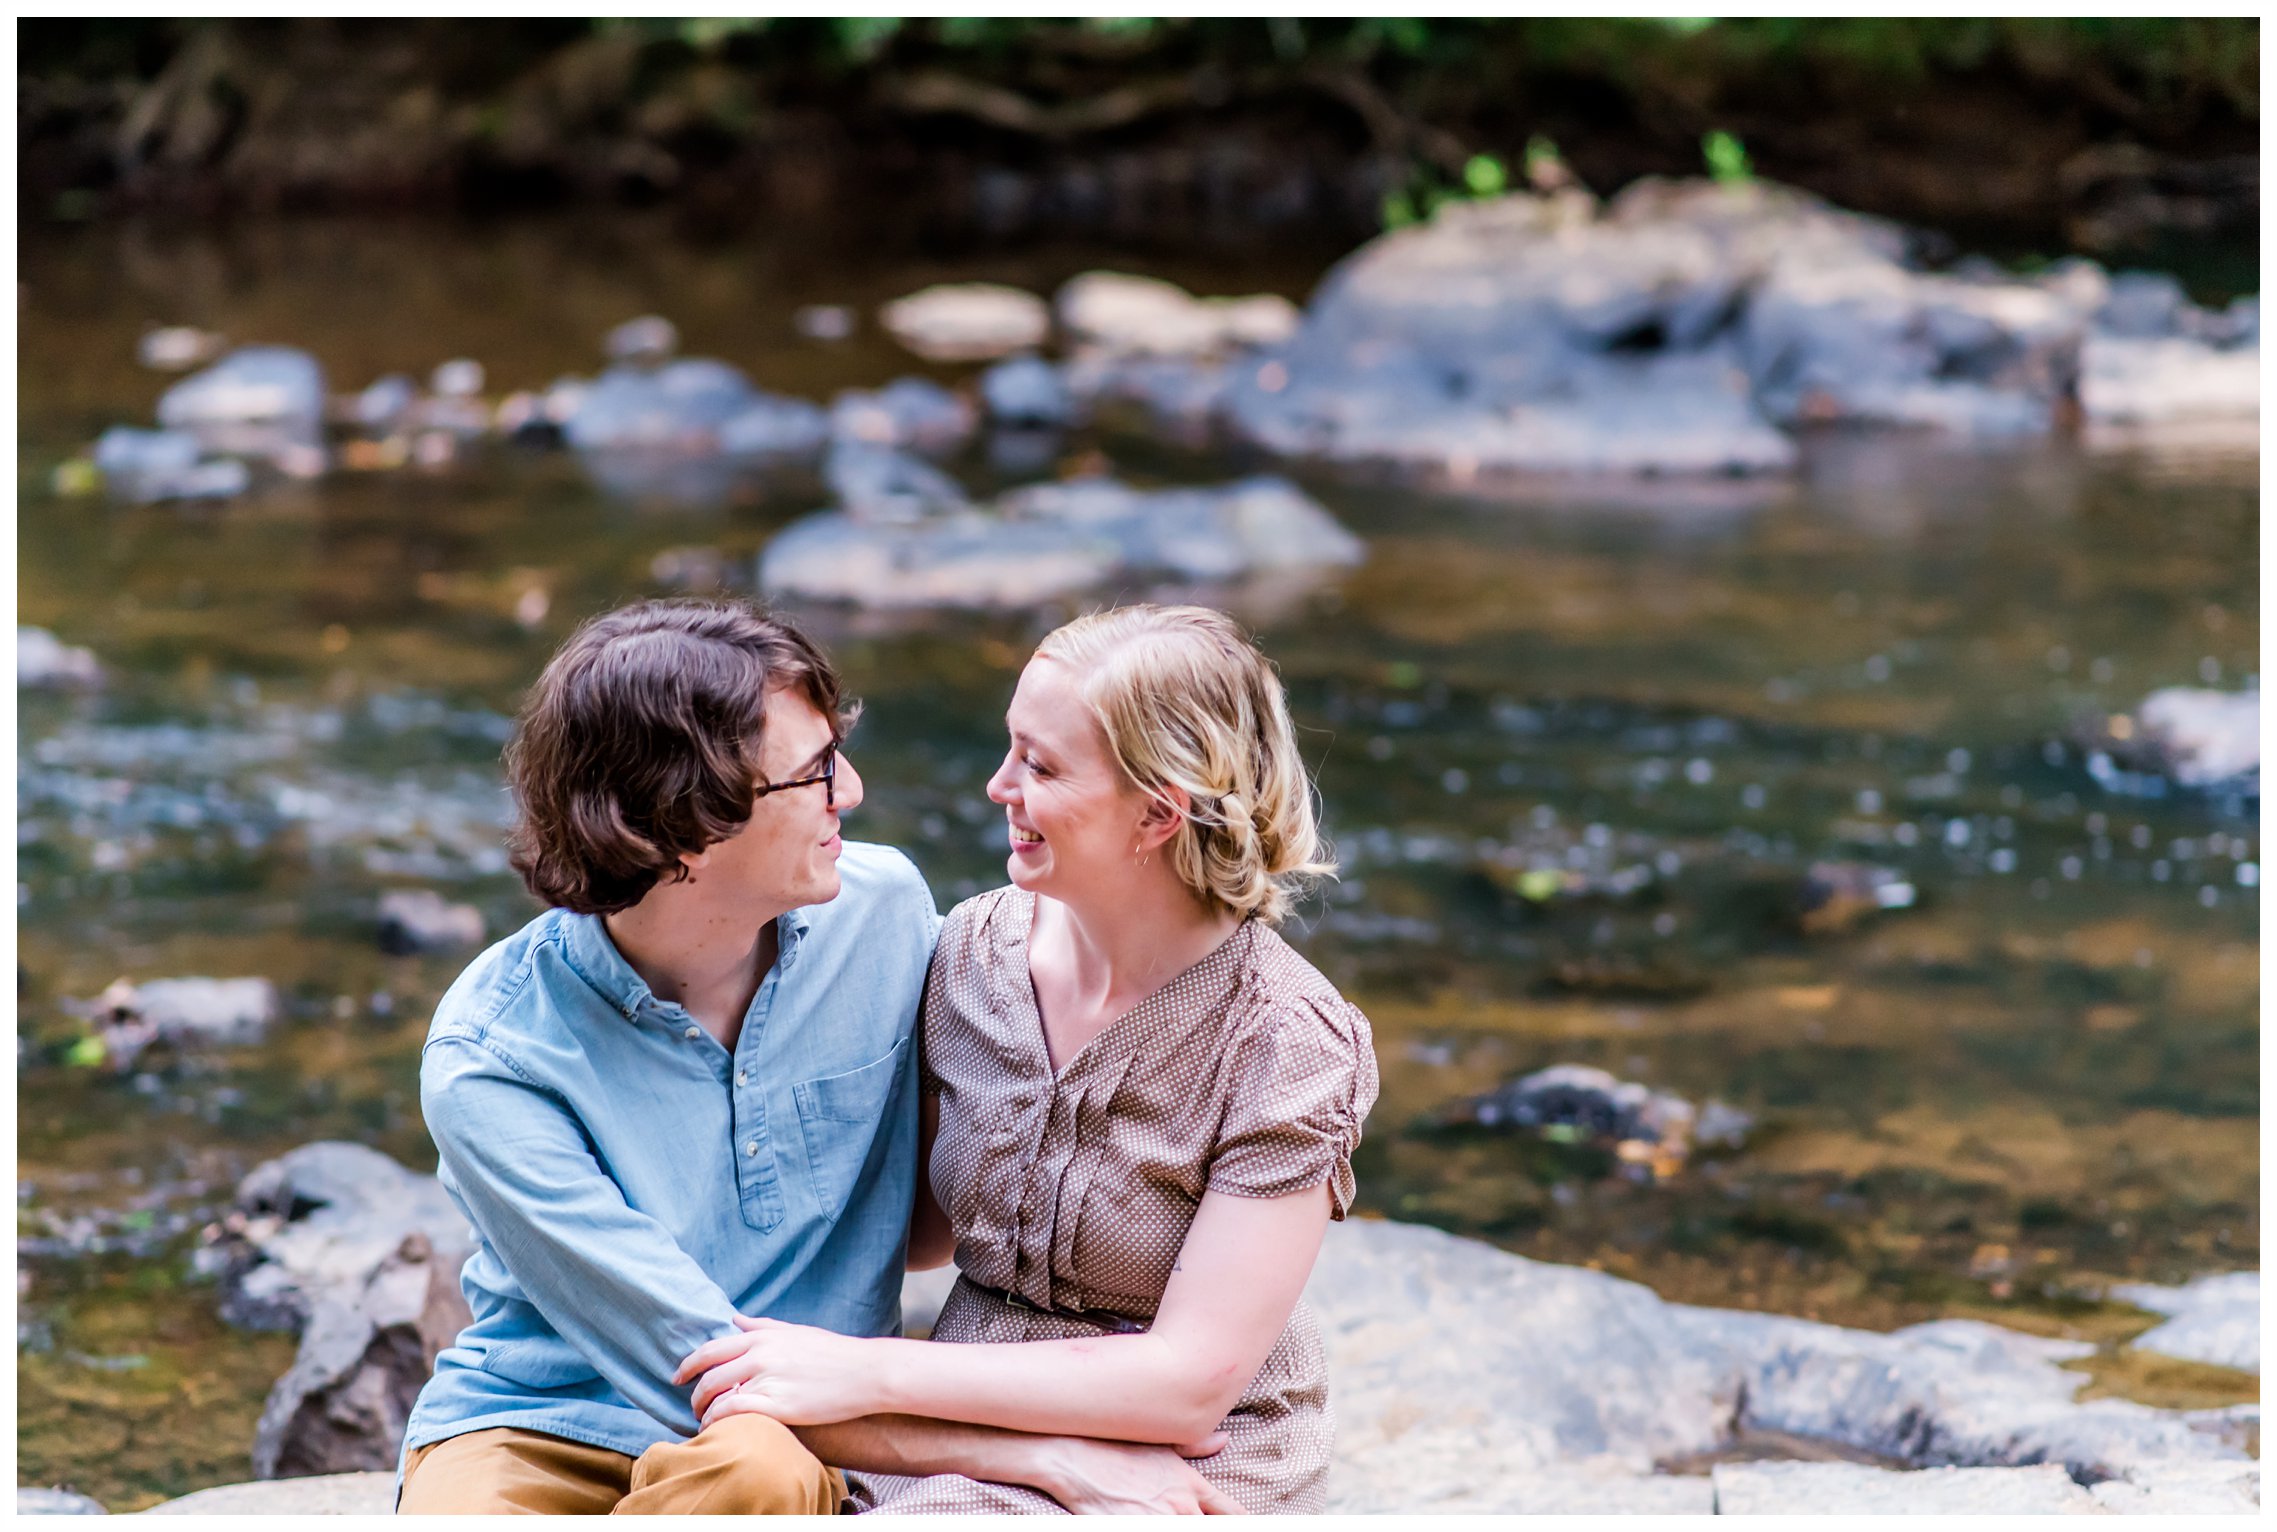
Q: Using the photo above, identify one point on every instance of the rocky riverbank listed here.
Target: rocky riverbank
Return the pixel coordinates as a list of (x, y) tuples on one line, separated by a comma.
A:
[(1499, 1383)]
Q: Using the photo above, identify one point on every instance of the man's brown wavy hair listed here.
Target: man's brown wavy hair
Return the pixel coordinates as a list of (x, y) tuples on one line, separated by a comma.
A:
[(641, 742)]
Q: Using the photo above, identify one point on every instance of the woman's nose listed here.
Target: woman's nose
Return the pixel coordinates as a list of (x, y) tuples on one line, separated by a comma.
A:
[(1000, 785)]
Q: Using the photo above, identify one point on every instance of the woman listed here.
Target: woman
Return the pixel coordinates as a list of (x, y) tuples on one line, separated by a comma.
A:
[(1140, 1102)]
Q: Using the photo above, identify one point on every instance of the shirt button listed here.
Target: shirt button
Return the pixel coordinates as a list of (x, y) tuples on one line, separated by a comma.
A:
[(693, 1033), (742, 1076), (752, 1147)]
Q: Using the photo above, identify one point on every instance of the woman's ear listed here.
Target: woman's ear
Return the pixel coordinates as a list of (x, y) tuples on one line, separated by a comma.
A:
[(1165, 811)]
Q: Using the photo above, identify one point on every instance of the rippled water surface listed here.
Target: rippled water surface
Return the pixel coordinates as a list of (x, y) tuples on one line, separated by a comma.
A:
[(2042, 1078)]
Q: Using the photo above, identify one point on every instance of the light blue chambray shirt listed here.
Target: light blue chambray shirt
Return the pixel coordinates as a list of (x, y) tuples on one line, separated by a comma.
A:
[(633, 1186)]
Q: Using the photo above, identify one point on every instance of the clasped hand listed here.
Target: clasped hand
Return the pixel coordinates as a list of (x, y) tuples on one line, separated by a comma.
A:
[(797, 1374)]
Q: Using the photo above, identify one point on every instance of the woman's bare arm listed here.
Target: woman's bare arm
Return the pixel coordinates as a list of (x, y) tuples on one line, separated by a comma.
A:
[(1237, 1277)]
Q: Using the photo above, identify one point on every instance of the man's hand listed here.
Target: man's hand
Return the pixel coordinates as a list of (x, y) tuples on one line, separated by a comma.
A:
[(1095, 1478)]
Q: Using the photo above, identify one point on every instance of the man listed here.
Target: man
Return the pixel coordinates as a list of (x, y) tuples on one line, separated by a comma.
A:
[(686, 1092)]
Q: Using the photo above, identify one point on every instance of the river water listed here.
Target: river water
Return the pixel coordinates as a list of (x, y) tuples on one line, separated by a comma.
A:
[(2041, 1079)]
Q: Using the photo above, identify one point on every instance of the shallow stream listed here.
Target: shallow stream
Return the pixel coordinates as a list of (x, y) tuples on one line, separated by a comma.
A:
[(2041, 1079)]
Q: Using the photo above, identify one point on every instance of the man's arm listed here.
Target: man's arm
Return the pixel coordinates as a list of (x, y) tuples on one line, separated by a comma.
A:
[(608, 1278)]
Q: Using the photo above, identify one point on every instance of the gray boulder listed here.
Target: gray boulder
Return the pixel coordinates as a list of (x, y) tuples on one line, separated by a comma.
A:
[(880, 485), (366, 1352), (46, 663), (1027, 391), (2198, 738), (1183, 397), (1531, 335), (420, 920), (323, 1219), (2213, 1319), (2168, 380), (1048, 542), (679, 407), (650, 338), (1116, 312), (148, 466), (31, 1501), (909, 413), (1483, 1375), (258, 401), (967, 321), (771, 427)]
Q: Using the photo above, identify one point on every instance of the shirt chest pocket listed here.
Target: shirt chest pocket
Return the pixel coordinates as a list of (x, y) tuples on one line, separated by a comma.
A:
[(842, 1117)]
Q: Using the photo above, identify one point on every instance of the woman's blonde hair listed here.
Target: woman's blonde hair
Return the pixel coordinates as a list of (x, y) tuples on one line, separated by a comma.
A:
[(1187, 701)]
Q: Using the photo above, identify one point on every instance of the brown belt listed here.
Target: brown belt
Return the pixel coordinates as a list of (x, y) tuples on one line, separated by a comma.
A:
[(1113, 1324)]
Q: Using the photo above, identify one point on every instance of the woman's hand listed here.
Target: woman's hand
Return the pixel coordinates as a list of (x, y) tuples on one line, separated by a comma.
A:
[(796, 1374)]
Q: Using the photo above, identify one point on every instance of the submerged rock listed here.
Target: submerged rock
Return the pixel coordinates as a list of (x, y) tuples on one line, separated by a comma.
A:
[(181, 1013), (258, 401), (2194, 737), (46, 663), (1577, 1103), (420, 920), (323, 1219), (1837, 895), (366, 1352), (1047, 542), (967, 321), (2214, 1319), (148, 466)]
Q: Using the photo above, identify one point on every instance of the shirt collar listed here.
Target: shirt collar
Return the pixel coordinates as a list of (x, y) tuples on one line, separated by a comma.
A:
[(585, 945)]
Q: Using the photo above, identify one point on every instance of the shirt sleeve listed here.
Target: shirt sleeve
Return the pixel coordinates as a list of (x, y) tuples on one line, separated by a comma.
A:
[(1298, 1089), (609, 1278)]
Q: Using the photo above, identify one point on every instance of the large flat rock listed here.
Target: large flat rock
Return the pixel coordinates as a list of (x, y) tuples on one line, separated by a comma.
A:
[(1850, 1489), (339, 1494)]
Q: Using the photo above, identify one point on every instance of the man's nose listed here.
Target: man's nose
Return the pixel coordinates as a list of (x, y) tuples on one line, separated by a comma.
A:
[(846, 787)]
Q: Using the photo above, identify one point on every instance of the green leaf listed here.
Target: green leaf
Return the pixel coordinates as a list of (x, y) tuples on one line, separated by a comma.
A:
[(1539, 883), (1399, 210), (1485, 177), (1404, 674), (1726, 157), (86, 1053)]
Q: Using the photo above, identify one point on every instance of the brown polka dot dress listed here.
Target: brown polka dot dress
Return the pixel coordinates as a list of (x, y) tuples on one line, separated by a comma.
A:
[(1247, 1073)]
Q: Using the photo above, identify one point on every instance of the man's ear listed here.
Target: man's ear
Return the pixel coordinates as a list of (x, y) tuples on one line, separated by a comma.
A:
[(696, 861)]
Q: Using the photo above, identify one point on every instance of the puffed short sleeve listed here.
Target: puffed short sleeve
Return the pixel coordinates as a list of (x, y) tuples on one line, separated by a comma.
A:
[(1298, 1088)]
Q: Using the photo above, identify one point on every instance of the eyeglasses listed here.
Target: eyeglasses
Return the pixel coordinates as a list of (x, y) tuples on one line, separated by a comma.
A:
[(827, 777)]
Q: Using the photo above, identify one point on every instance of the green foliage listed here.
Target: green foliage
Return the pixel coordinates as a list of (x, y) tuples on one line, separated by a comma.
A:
[(1484, 176), (1727, 159), (863, 38)]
